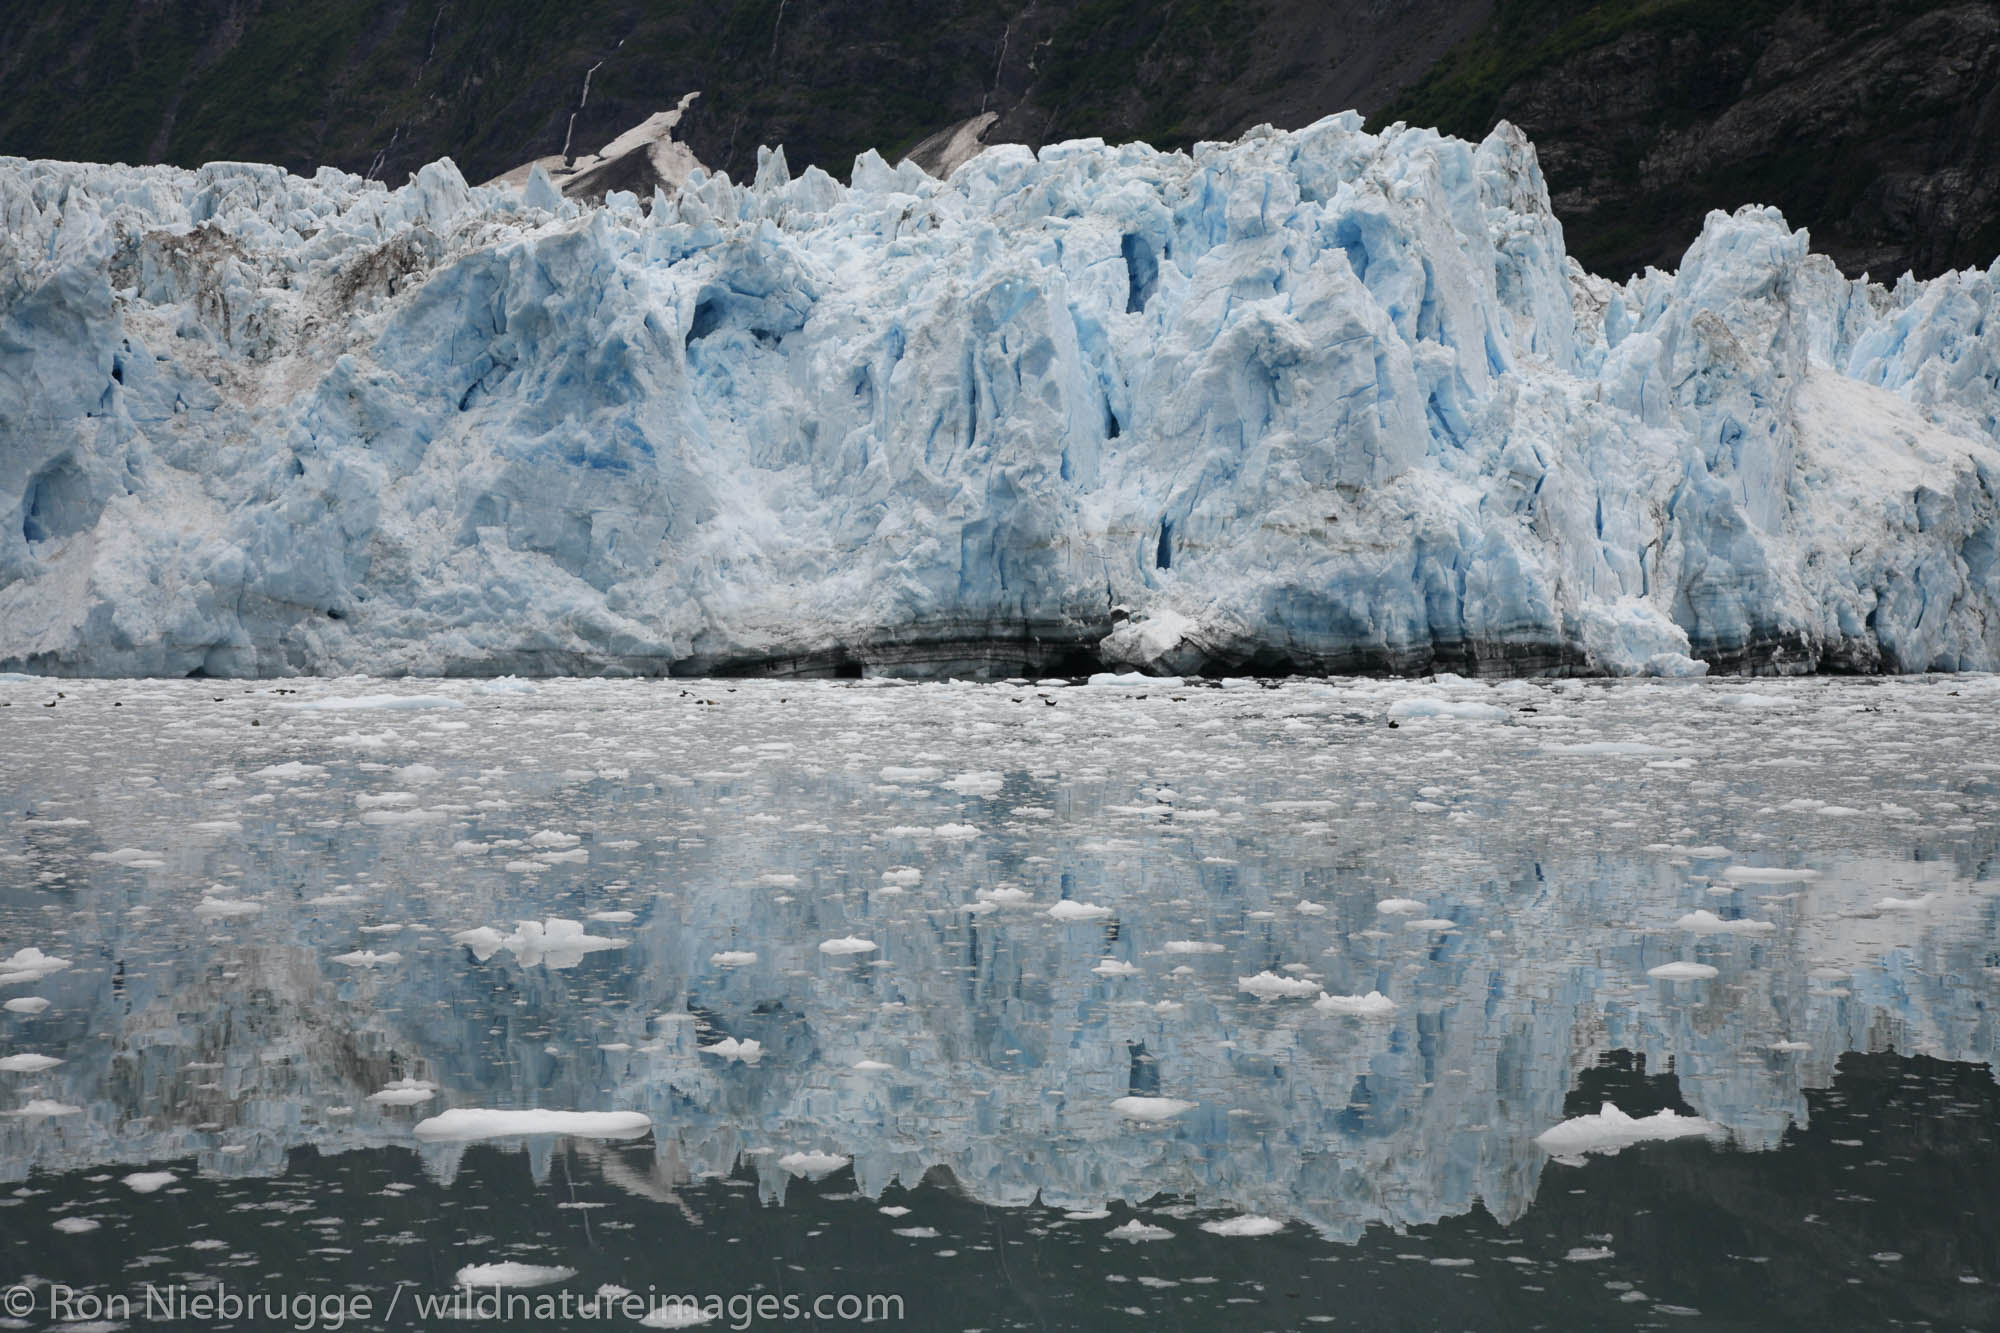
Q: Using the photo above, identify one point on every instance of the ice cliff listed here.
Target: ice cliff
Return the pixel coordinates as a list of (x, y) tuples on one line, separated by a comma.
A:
[(1312, 400)]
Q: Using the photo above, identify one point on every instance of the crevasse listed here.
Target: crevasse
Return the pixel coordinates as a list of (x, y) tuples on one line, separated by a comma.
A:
[(1321, 400)]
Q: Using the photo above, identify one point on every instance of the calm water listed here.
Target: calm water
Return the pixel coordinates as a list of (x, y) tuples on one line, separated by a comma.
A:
[(256, 890)]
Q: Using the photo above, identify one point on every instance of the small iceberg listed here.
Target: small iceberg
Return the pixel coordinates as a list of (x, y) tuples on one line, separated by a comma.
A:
[(1708, 923), (1249, 1224), (1372, 1005), (404, 1092), (813, 1165), (1271, 986), (468, 1123), (1071, 910), (1611, 1129), (1681, 972), (847, 944), (511, 1274)]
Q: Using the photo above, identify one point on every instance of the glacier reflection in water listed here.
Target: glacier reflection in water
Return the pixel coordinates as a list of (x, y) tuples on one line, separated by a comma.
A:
[(307, 916)]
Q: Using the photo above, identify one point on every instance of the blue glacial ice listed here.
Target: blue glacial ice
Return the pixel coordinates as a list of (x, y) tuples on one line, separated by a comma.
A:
[(1322, 400)]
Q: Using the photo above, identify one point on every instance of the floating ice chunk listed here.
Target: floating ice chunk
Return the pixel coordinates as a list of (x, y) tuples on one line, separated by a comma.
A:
[(1611, 1129), (732, 958), (1271, 986), (1607, 747), (976, 784), (402, 817), (672, 1312), (1464, 710), (908, 877), (955, 832), (1310, 908), (749, 1050), (872, 1066), (1431, 923), (404, 1092), (813, 1165), (295, 771), (1401, 906), (1892, 904), (511, 1274), (76, 1226), (1191, 946), (1248, 1224), (1768, 875), (1135, 1230), (26, 1004), (467, 1123), (615, 917), (484, 941), (556, 943), (217, 826), (1708, 923), (1586, 1255), (553, 838), (1114, 967), (1069, 909), (917, 1233), (1151, 1109), (366, 703), (847, 944), (1132, 680), (137, 857), (41, 1108), (29, 964), (1681, 972), (894, 773), (368, 958), (224, 908), (149, 1182), (1790, 1047), (1372, 1005), (27, 1063)]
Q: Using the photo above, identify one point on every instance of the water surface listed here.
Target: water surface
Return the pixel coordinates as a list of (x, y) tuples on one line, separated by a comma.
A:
[(256, 889)]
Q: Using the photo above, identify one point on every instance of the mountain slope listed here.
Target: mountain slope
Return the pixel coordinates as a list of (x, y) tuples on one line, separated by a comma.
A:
[(1870, 121)]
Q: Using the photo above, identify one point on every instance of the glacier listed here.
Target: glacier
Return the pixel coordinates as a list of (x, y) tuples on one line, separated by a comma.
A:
[(1321, 400)]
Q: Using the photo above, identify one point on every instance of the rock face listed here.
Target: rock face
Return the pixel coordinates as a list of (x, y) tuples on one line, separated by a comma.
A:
[(1317, 401), (1872, 123)]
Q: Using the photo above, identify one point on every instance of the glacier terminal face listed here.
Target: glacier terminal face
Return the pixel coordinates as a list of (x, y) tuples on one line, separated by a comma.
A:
[(1323, 401)]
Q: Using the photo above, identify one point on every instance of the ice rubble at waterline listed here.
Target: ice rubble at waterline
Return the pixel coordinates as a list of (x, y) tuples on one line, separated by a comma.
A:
[(1320, 399)]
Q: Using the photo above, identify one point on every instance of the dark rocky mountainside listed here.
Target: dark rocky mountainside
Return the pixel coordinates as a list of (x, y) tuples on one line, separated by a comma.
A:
[(1871, 121)]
